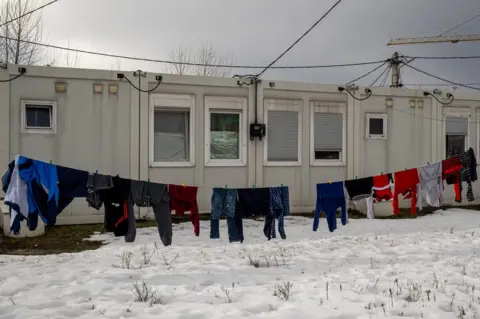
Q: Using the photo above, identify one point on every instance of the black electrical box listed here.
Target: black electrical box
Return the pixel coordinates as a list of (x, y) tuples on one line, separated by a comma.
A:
[(257, 130)]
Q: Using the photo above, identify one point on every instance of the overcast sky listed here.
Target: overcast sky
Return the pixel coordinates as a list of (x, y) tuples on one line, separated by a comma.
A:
[(257, 31)]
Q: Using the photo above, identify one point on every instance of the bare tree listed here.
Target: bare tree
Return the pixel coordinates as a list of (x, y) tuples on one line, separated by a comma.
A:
[(182, 55), (28, 28), (71, 58), (205, 57)]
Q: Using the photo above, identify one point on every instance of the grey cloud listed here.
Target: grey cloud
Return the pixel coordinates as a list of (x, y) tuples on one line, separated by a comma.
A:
[(256, 32)]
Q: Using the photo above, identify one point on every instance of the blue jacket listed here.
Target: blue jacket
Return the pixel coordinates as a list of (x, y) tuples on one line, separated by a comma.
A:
[(39, 175)]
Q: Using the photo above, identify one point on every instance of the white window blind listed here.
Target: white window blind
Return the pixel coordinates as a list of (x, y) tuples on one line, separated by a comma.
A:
[(328, 131), (456, 125), (282, 134)]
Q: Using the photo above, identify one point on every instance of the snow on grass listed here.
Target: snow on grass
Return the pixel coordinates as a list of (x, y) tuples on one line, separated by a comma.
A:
[(420, 268)]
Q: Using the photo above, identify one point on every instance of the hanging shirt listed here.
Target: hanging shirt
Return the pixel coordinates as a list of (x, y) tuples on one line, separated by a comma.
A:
[(465, 174), (16, 197), (406, 184), (182, 199), (382, 187), (119, 215), (473, 167), (431, 182), (330, 197), (42, 183)]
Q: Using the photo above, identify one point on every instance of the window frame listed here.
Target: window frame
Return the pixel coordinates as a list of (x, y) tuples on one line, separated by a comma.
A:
[(455, 112), (282, 105), (226, 105), (38, 130), (328, 107), (384, 118), (172, 102)]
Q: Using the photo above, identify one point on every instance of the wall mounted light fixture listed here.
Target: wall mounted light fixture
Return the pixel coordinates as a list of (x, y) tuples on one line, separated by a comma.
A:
[(412, 103), (60, 87), (98, 88), (389, 102), (112, 89), (420, 103)]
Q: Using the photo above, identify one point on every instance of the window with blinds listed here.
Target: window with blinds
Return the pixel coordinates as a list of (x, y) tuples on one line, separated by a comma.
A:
[(282, 135), (456, 131), (171, 136), (328, 135)]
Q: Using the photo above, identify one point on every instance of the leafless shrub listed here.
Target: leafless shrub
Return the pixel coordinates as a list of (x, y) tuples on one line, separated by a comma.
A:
[(283, 291), (144, 293)]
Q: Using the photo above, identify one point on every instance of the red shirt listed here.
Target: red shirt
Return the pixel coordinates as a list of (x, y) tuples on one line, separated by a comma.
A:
[(406, 182), (182, 199)]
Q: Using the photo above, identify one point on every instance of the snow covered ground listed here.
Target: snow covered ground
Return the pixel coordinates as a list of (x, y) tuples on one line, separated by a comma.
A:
[(423, 268)]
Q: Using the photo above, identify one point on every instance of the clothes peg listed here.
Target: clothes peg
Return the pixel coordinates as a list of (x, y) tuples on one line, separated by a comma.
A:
[(148, 180), (381, 173), (225, 186), (356, 177), (428, 163), (253, 186), (50, 161), (183, 184), (330, 181), (281, 185), (96, 171), (405, 169)]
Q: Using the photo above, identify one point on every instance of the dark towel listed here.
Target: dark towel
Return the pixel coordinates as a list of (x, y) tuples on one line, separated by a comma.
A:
[(359, 189), (253, 202)]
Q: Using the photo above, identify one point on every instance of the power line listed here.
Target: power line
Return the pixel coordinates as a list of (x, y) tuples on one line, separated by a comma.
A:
[(441, 84), (298, 40), (368, 73), (460, 24), (439, 78), (381, 74), (444, 57), (28, 13), (110, 55)]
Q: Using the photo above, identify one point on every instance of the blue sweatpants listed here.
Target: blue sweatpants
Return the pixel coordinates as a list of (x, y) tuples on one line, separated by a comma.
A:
[(330, 197)]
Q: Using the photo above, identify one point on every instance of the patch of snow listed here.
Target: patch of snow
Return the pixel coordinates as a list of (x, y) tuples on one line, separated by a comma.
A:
[(418, 268)]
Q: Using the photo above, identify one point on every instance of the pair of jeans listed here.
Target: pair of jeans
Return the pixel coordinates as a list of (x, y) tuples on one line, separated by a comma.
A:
[(224, 204)]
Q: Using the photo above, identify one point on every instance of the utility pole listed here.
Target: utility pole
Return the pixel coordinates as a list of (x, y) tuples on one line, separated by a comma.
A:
[(140, 74), (395, 66)]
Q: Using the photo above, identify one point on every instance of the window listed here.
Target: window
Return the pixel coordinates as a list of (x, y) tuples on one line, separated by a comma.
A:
[(328, 141), (282, 140), (456, 135), (376, 126), (39, 117), (225, 131), (171, 142)]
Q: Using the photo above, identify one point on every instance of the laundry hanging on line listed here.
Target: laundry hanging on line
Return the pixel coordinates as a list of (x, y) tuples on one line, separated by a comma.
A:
[(410, 183)]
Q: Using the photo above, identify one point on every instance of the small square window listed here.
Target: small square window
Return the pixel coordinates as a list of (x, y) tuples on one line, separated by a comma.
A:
[(38, 117), (455, 144), (376, 127)]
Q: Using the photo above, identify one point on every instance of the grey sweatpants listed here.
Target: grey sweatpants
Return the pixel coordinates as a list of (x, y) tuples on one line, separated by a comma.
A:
[(155, 195)]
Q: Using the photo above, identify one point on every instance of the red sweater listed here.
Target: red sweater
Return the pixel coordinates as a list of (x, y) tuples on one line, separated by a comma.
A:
[(406, 182), (450, 166), (182, 199)]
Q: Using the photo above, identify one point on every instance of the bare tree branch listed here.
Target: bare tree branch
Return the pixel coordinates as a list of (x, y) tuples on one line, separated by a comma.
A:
[(182, 55), (27, 28), (72, 61), (204, 57)]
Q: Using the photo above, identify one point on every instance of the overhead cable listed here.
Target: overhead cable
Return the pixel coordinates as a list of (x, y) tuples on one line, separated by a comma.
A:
[(381, 74), (441, 79), (298, 40), (467, 57), (460, 24), (28, 13), (126, 57), (368, 73)]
